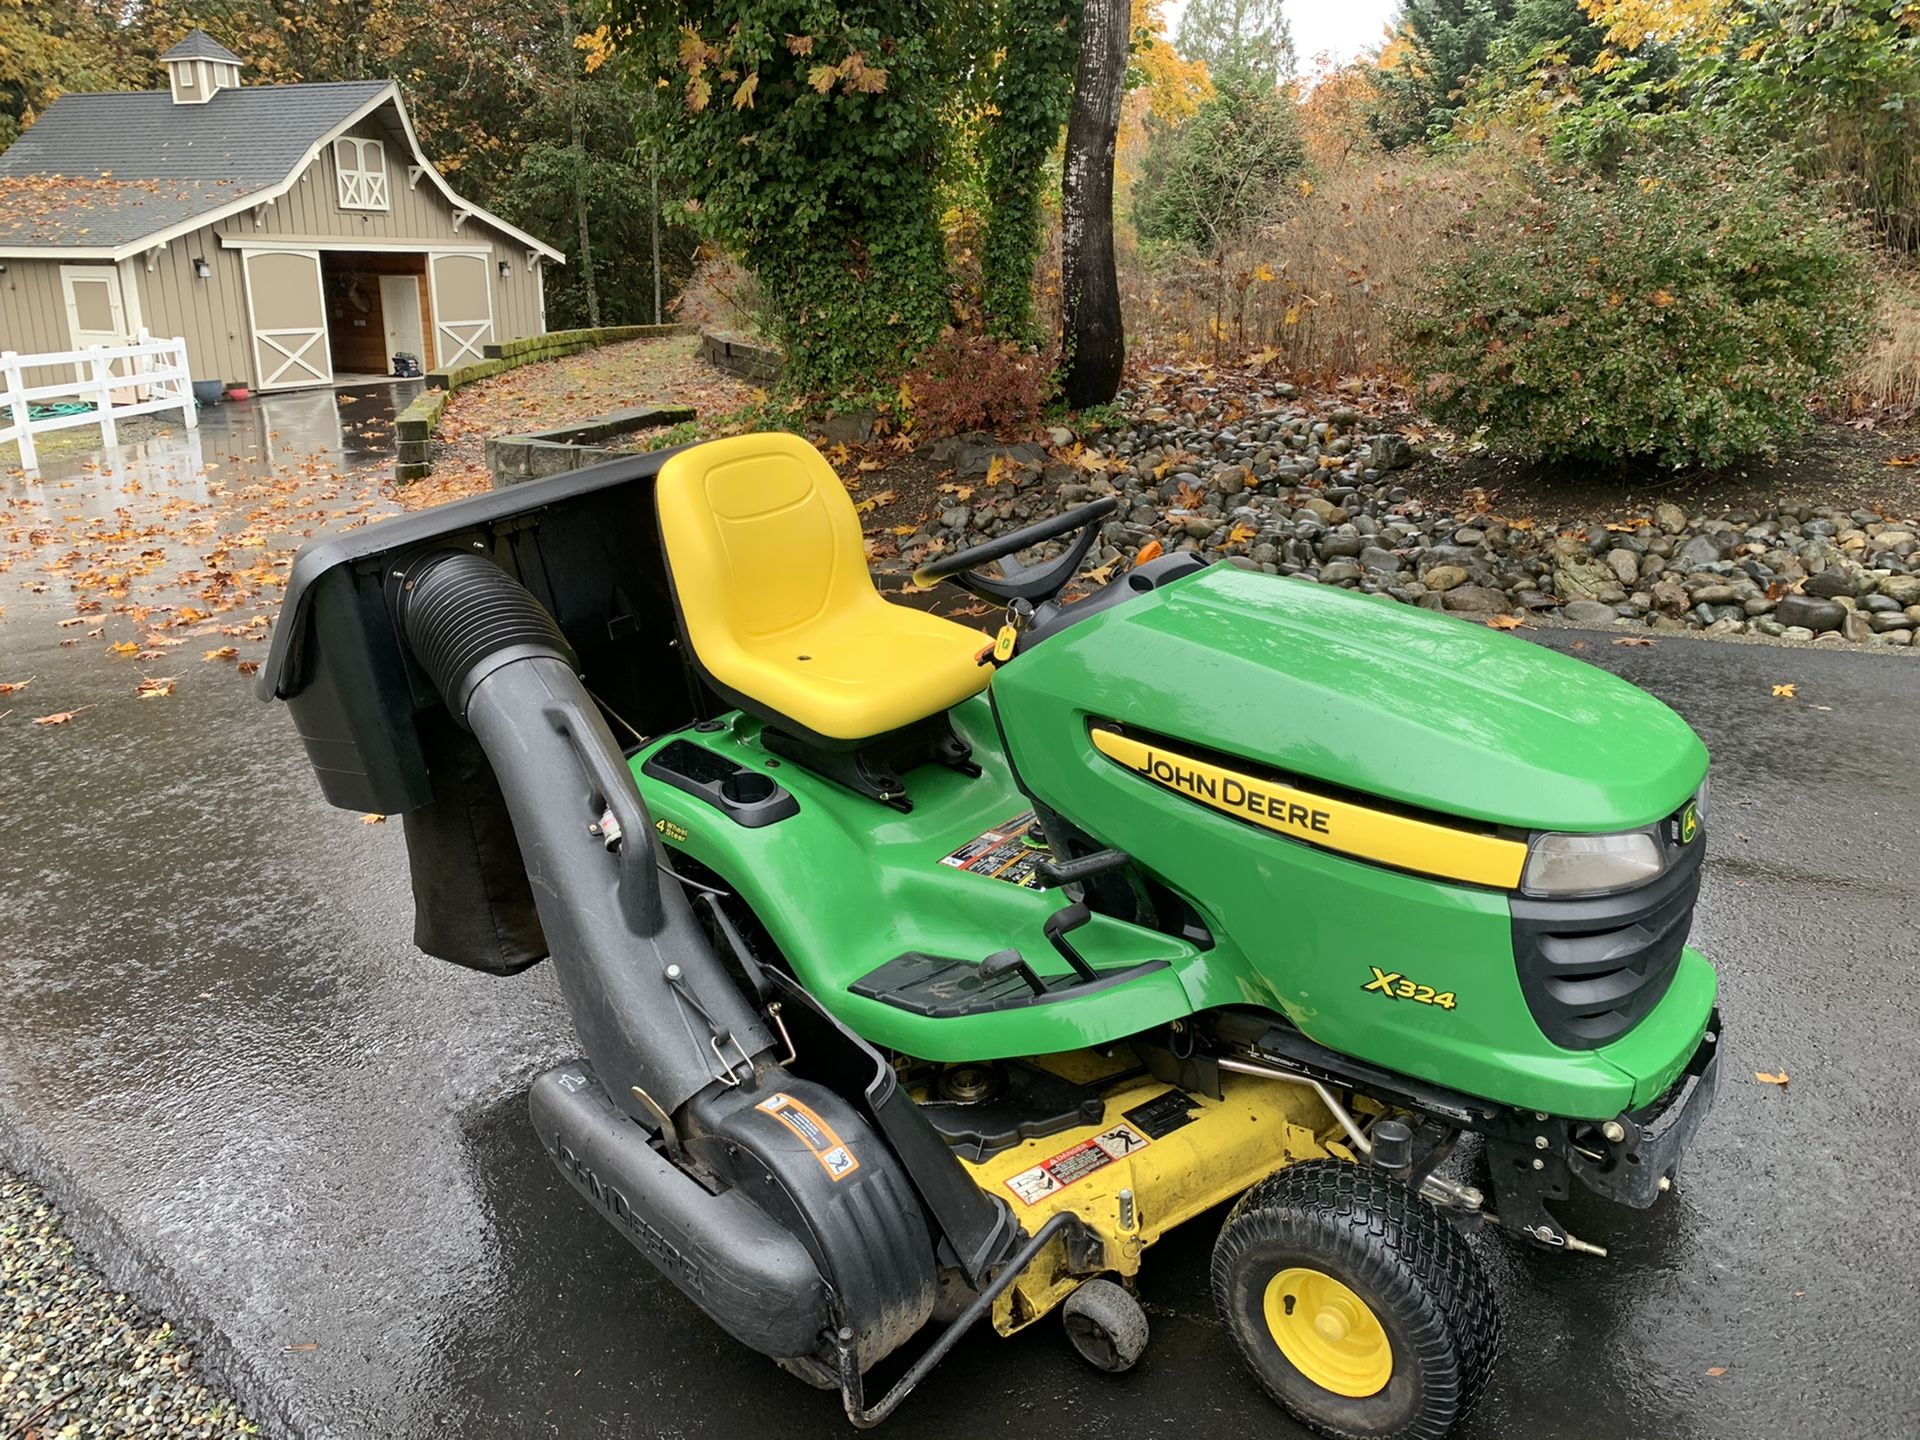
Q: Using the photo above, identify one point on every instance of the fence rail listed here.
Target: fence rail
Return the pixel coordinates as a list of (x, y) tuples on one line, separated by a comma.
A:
[(154, 378)]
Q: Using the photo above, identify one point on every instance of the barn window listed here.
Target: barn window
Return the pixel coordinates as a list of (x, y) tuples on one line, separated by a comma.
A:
[(361, 166)]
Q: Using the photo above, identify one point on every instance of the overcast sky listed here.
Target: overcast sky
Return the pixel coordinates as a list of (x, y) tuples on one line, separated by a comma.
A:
[(1338, 28)]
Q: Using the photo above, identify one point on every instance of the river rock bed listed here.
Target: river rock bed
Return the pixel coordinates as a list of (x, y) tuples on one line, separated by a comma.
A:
[(79, 1361), (1314, 489)]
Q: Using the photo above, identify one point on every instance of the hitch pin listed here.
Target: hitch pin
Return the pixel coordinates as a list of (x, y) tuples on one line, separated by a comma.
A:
[(607, 829)]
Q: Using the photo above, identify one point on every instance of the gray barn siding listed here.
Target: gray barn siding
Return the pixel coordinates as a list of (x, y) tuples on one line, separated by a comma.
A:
[(210, 314), (33, 315)]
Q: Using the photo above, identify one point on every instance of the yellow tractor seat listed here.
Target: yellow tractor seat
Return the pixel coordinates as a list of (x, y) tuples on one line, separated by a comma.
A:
[(770, 573)]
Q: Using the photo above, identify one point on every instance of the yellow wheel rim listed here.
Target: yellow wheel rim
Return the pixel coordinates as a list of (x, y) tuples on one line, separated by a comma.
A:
[(1328, 1333)]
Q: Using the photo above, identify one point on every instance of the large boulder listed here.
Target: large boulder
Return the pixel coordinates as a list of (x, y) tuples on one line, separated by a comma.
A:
[(1810, 612)]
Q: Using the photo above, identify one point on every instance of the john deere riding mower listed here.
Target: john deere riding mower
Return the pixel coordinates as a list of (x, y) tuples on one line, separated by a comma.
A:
[(925, 976)]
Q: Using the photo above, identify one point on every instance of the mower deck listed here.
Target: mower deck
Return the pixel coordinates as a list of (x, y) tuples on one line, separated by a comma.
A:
[(1155, 1159)]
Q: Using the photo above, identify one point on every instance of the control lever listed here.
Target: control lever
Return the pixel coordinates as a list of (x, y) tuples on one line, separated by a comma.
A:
[(1066, 872), (1056, 928), (1001, 961)]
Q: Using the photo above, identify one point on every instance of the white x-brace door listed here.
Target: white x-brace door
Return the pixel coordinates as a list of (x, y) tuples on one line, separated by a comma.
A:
[(289, 314), (462, 307)]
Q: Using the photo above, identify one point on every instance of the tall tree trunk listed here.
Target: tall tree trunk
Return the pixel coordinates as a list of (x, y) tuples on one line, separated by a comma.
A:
[(1092, 337), (580, 213)]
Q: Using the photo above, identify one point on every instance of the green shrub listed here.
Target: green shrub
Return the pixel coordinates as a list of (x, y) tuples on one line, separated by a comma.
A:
[(1212, 177), (1686, 307)]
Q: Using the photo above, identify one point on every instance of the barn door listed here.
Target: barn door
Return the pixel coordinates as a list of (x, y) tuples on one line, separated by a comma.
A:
[(462, 308), (95, 314), (289, 319)]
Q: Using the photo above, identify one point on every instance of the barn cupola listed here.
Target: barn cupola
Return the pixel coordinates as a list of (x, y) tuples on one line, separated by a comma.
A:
[(199, 68)]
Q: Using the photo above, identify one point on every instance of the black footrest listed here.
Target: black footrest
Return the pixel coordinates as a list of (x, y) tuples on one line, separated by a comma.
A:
[(942, 987)]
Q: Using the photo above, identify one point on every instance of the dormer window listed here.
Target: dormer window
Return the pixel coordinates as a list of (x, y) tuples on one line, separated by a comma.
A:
[(361, 167)]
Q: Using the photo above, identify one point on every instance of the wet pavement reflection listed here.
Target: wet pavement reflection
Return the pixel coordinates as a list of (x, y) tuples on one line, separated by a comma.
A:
[(220, 1046)]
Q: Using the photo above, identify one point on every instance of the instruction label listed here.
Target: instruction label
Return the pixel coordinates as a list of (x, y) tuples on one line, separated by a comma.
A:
[(1076, 1163), (818, 1136), (1011, 851), (1163, 1114)]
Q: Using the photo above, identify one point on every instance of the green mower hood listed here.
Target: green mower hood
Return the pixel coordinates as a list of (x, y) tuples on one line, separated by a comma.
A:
[(1371, 696)]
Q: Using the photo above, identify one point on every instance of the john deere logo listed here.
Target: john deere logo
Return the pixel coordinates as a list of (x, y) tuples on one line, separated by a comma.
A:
[(1689, 823)]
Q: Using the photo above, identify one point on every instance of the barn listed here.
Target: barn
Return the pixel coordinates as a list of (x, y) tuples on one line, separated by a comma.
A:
[(293, 235)]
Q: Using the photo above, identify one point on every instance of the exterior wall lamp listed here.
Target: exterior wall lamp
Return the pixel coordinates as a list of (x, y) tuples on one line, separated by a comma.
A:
[(506, 270), (201, 269)]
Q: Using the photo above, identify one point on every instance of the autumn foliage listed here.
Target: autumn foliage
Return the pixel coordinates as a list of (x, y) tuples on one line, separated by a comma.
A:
[(974, 382)]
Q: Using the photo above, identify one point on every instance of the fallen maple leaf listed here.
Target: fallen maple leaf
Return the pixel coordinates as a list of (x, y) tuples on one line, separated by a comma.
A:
[(124, 647), (373, 819), (154, 687), (225, 652), (1504, 622), (1636, 640), (1765, 1079), (248, 667), (885, 497), (1716, 1370), (1152, 550), (1913, 459), (14, 687), (60, 717), (1786, 692)]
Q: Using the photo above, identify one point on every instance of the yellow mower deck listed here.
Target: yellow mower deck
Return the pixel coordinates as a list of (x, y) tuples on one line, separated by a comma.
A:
[(1159, 1157)]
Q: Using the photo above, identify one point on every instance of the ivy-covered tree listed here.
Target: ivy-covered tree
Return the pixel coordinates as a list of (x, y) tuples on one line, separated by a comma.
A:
[(1038, 42), (806, 134), (1244, 42)]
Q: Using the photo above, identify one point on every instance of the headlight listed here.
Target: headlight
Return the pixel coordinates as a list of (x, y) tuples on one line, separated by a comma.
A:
[(1560, 864)]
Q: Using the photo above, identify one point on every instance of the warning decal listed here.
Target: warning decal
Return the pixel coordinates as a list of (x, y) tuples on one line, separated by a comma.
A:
[(1011, 851), (832, 1153), (1033, 1186)]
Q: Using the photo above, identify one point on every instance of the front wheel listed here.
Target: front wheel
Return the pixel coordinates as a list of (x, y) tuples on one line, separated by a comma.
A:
[(1360, 1309)]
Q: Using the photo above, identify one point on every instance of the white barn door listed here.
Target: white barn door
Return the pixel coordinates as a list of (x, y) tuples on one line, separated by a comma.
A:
[(462, 307), (96, 314), (289, 314)]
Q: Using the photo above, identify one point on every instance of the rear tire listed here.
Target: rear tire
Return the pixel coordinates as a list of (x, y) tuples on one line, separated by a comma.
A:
[(1360, 1309), (1106, 1325)]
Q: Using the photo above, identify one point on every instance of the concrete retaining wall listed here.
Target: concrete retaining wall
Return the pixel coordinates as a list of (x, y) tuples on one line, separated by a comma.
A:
[(579, 443), (739, 356)]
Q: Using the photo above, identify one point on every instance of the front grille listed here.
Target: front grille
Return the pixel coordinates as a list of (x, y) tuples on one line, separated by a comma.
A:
[(1592, 968)]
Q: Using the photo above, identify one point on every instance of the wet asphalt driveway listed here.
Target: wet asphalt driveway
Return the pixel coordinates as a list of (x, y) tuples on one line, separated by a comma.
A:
[(277, 1121)]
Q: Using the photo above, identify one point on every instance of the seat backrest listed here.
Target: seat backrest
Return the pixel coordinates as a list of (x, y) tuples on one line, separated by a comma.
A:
[(760, 536)]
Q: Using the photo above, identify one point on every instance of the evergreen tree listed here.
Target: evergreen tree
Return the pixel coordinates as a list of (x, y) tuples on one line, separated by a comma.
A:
[(1242, 41), (1443, 42)]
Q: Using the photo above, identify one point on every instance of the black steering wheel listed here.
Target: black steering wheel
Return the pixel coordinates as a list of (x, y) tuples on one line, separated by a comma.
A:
[(1029, 582)]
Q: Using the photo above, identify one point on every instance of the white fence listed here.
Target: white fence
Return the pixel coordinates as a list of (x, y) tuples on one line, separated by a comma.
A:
[(152, 377)]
